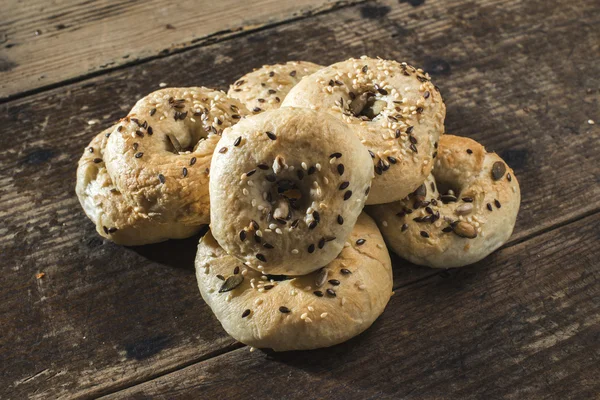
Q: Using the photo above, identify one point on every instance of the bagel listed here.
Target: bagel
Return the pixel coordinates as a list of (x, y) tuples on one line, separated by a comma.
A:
[(465, 210), (319, 309), (265, 88), (393, 108), (286, 188), (145, 180)]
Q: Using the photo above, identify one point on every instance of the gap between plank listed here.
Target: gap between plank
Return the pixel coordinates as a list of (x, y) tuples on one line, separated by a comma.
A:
[(238, 345), (217, 37)]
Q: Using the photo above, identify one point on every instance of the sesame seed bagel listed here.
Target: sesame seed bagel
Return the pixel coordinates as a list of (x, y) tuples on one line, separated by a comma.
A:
[(286, 188), (319, 309), (145, 180), (266, 87), (465, 210), (393, 108)]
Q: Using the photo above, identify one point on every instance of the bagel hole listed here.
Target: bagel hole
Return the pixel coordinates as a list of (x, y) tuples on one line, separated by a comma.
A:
[(279, 278), (286, 196), (367, 106), (448, 188), (186, 145)]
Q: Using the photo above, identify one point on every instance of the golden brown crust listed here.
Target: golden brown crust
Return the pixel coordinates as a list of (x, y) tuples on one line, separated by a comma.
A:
[(286, 188), (392, 107), (147, 178), (265, 88), (440, 229), (297, 314)]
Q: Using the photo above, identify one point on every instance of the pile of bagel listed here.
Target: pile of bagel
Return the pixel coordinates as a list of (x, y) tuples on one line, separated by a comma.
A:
[(306, 175)]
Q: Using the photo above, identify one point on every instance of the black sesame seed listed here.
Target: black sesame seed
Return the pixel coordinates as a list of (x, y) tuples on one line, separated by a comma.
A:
[(344, 185), (497, 203), (469, 151), (345, 271), (261, 257), (321, 243), (184, 172), (412, 139), (404, 227), (413, 148), (419, 110), (293, 73), (398, 133), (392, 160), (97, 160), (372, 154), (284, 310), (242, 235), (112, 230), (245, 313), (139, 155), (340, 220), (360, 242), (257, 239), (236, 270), (91, 149), (221, 277), (410, 129), (447, 229), (105, 230), (365, 68), (311, 248), (489, 206), (316, 216), (348, 194), (263, 166), (312, 225), (223, 150), (268, 287), (331, 292), (295, 223), (237, 141), (426, 94), (340, 169), (256, 109), (334, 282), (336, 155), (268, 246), (424, 234), (318, 293), (255, 225), (161, 178), (312, 170), (251, 172), (509, 177), (434, 155), (193, 161), (271, 135)]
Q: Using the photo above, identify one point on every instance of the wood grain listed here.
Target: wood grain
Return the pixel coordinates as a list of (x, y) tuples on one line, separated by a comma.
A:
[(517, 76), (43, 43), (526, 325)]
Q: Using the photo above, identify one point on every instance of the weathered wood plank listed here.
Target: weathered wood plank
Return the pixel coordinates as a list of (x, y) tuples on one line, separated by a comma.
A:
[(521, 90), (525, 325), (43, 43)]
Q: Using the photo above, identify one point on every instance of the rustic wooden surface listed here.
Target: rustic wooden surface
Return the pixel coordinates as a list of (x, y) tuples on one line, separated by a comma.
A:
[(44, 43), (520, 77)]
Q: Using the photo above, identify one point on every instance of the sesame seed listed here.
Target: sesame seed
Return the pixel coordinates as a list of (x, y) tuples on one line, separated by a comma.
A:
[(335, 155), (97, 160), (311, 248), (469, 151), (347, 195), (345, 271), (311, 170), (271, 135), (245, 313), (340, 169), (261, 257), (344, 185), (340, 220), (497, 203), (237, 141), (184, 172), (284, 310), (489, 206), (193, 161), (318, 293), (139, 155), (334, 282), (331, 292), (242, 235), (263, 166), (223, 150), (360, 242), (161, 178), (424, 234)]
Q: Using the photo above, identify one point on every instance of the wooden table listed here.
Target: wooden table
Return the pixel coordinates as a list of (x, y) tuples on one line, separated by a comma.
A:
[(82, 317)]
